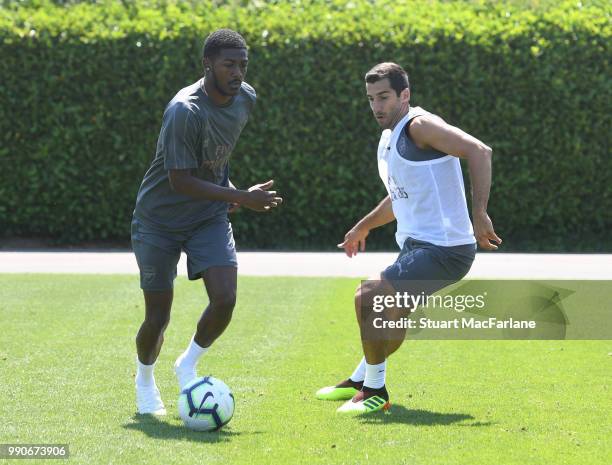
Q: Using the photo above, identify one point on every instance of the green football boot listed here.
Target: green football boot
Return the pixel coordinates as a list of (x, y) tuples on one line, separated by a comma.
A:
[(343, 391), (367, 401)]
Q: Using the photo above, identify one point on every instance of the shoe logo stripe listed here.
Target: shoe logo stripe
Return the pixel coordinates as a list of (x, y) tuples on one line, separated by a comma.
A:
[(374, 402)]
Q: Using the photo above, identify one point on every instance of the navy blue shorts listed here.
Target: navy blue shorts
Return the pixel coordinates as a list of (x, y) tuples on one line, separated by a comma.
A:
[(158, 252), (423, 262)]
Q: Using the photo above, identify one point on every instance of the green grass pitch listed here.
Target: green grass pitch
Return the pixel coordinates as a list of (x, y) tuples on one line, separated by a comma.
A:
[(67, 373)]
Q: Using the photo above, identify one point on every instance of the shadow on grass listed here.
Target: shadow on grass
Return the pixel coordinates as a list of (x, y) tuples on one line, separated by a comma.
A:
[(400, 414), (158, 428)]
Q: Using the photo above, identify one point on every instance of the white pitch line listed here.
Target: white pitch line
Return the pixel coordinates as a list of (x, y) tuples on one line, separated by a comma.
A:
[(486, 265)]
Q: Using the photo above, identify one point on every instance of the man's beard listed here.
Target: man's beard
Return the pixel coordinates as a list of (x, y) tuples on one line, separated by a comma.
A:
[(395, 118), (217, 86)]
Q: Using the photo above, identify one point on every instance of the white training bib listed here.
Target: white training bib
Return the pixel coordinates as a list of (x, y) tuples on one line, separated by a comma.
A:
[(428, 197)]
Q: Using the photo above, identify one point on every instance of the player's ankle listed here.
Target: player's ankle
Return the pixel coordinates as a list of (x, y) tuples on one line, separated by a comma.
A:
[(370, 392), (348, 383)]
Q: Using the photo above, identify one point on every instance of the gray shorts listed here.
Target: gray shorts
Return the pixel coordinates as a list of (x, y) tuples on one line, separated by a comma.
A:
[(158, 252), (432, 266)]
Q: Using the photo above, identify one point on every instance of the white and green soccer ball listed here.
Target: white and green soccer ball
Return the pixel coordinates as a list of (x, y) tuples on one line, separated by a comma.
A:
[(206, 404)]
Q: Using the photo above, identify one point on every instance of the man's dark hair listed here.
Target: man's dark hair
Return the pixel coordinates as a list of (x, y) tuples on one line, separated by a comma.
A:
[(398, 78), (220, 39)]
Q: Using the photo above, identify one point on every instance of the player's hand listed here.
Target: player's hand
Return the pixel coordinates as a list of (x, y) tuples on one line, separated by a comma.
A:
[(354, 241), (260, 199), (483, 230)]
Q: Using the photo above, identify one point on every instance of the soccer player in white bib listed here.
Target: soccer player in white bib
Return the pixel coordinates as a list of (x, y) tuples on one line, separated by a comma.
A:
[(418, 162)]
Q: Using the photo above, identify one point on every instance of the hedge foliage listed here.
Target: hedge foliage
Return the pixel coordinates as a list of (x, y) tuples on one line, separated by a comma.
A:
[(84, 85)]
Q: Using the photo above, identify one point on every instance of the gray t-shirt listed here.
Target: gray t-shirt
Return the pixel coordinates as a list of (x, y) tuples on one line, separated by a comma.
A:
[(195, 135)]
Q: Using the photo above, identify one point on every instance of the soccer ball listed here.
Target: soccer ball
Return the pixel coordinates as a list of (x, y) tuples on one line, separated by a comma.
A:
[(206, 404)]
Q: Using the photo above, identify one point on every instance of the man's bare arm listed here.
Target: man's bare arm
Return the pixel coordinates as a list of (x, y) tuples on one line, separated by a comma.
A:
[(432, 132), (381, 215), (257, 198), (355, 239)]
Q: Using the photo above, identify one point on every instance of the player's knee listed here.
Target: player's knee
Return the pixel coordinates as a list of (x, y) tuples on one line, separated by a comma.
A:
[(364, 296), (224, 303), (158, 323), (363, 301)]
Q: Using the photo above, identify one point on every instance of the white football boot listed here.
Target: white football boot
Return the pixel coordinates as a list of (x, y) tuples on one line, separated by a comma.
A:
[(148, 400)]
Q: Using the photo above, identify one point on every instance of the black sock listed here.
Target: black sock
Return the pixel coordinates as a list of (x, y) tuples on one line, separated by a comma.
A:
[(381, 392), (350, 383)]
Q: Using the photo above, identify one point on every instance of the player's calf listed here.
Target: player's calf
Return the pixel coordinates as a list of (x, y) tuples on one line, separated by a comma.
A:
[(215, 319), (150, 337)]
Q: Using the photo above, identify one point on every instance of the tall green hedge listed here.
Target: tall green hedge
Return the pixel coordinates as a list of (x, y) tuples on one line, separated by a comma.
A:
[(83, 87)]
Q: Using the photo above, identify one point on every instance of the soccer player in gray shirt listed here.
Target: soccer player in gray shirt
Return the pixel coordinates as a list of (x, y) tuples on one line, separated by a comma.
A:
[(183, 204)]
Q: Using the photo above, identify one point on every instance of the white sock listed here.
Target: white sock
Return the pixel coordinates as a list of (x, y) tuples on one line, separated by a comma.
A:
[(144, 374), (190, 357), (360, 370), (375, 375)]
